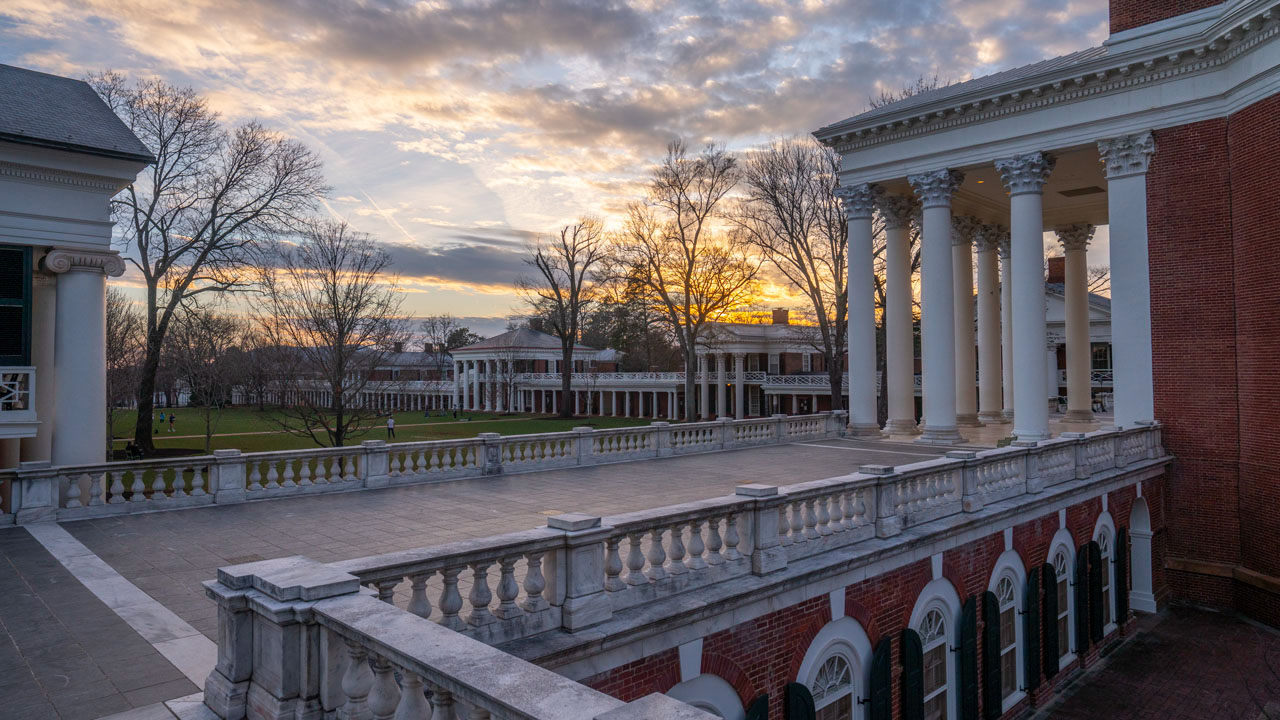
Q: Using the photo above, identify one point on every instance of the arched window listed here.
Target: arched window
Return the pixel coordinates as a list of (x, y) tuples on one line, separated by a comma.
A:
[(1007, 595), (1104, 544), (710, 693), (933, 636), (1062, 568), (833, 689)]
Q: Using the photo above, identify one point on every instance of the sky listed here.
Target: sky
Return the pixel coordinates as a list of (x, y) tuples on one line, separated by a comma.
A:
[(456, 131)]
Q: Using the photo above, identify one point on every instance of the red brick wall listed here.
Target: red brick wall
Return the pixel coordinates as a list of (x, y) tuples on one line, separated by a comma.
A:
[(1126, 14), (764, 654), (1253, 137)]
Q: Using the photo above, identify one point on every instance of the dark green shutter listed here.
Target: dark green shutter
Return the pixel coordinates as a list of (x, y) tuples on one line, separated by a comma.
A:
[(759, 708), (1082, 599), (1095, 592), (912, 676), (882, 681), (1031, 631), (992, 695), (799, 702), (1050, 614), (969, 660), (15, 305), (1120, 584)]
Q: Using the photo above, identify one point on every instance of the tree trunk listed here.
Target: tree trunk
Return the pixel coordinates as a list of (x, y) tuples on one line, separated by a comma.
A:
[(836, 375), (690, 381), (566, 380), (882, 397), (146, 398)]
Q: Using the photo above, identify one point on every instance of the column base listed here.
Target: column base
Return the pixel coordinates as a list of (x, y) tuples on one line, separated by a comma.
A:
[(1078, 416), (932, 435), (993, 417), (1029, 437), (1008, 415), (968, 420), (864, 431), (901, 426)]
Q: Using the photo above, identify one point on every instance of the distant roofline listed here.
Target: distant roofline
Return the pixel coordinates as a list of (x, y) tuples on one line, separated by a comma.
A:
[(17, 139)]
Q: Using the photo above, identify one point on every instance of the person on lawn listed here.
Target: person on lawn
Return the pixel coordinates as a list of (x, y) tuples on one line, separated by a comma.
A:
[(391, 426), (172, 418)]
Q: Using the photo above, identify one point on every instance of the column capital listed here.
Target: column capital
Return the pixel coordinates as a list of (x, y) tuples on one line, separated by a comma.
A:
[(989, 236), (935, 188), (1126, 155), (963, 228), (858, 200), (1026, 173), (1075, 237), (61, 261), (897, 210)]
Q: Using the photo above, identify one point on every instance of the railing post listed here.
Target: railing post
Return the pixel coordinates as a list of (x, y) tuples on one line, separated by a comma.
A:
[(725, 428), (375, 467), (269, 651), (780, 428), (970, 499), (888, 523), (581, 570), (837, 423), (584, 444), (490, 446), (35, 494), (767, 554), (228, 480), (661, 438), (1082, 468)]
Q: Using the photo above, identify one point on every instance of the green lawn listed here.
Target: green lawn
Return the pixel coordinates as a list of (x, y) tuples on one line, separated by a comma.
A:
[(248, 430)]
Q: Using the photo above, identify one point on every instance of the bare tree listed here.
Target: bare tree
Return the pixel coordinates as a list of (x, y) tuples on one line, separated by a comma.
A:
[(197, 219), (437, 331), (790, 215), (124, 354), (203, 347), (921, 84), (685, 267), (1099, 279), (334, 312), (565, 288)]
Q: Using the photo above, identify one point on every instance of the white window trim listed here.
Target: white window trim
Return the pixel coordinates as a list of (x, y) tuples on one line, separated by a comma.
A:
[(1107, 524), (846, 637), (1062, 540), (1010, 565), (941, 595), (713, 691)]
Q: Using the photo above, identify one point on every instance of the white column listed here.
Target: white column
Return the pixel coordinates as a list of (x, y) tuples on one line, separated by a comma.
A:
[(989, 325), (859, 203), (475, 385), (1125, 160), (1051, 372), (937, 319), (671, 405), (704, 391), (1024, 177), (80, 354), (44, 300), (962, 231), (1075, 239), (555, 402), (900, 365), (795, 404), (626, 403), (1006, 326), (654, 409), (722, 377), (739, 383)]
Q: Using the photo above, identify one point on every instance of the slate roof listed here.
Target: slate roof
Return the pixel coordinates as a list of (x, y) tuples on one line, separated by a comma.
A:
[(524, 339), (58, 112), (974, 87)]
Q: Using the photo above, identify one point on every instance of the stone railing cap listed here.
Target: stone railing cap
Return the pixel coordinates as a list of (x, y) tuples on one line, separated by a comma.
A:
[(756, 490), (656, 705), (876, 469), (962, 454), (573, 522), (226, 453), (290, 578)]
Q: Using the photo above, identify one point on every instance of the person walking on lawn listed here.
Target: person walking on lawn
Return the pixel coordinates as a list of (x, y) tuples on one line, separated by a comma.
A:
[(391, 426), (172, 419)]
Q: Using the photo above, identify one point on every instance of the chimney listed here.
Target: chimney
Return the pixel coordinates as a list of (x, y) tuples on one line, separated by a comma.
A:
[(781, 316), (1057, 270), (535, 323), (397, 347)]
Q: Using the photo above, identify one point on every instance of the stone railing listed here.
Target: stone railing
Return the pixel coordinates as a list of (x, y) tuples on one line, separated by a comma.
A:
[(229, 476), (17, 390), (580, 571)]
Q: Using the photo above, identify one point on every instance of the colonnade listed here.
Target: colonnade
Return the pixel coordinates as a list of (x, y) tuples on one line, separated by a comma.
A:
[(1014, 355), (722, 378)]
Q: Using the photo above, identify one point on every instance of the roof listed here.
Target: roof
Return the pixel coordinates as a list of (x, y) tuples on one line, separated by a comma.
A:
[(521, 339), (1100, 301), (58, 112), (976, 86)]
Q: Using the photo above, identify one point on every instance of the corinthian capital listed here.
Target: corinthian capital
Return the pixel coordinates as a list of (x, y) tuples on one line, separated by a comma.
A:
[(936, 188), (989, 236), (61, 261), (1026, 173), (962, 229), (1075, 237), (896, 210), (1127, 155), (859, 200)]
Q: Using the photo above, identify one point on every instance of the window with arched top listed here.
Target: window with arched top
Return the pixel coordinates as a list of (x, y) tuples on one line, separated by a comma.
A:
[(1108, 557), (832, 689), (1007, 596), (1062, 568), (933, 636)]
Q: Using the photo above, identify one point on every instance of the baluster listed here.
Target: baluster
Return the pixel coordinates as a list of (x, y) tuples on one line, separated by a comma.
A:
[(635, 559), (696, 548), (784, 525), (433, 464), (419, 462), (419, 603), (95, 488), (442, 705), (255, 476), (157, 487), (288, 480), (136, 487), (507, 589), (714, 544), (73, 493), (798, 534), (304, 473), (480, 595), (387, 590), (117, 488), (273, 476), (613, 565), (534, 583), (810, 520), (823, 514), (197, 481), (852, 512), (321, 475), (657, 556), (357, 681), (413, 701), (676, 553), (349, 469), (451, 600), (385, 694), (731, 538), (838, 512)]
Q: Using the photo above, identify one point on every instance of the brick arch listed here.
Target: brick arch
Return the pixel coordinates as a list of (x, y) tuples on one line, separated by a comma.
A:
[(859, 612), (732, 673), (954, 576), (804, 638)]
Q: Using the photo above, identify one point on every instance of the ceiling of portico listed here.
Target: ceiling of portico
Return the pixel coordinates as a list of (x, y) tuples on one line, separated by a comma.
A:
[(1075, 192)]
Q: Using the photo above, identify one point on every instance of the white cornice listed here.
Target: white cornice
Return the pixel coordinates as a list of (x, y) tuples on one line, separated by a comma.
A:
[(33, 173), (1235, 33)]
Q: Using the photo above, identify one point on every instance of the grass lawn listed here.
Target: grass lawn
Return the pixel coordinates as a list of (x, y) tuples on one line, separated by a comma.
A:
[(248, 430)]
